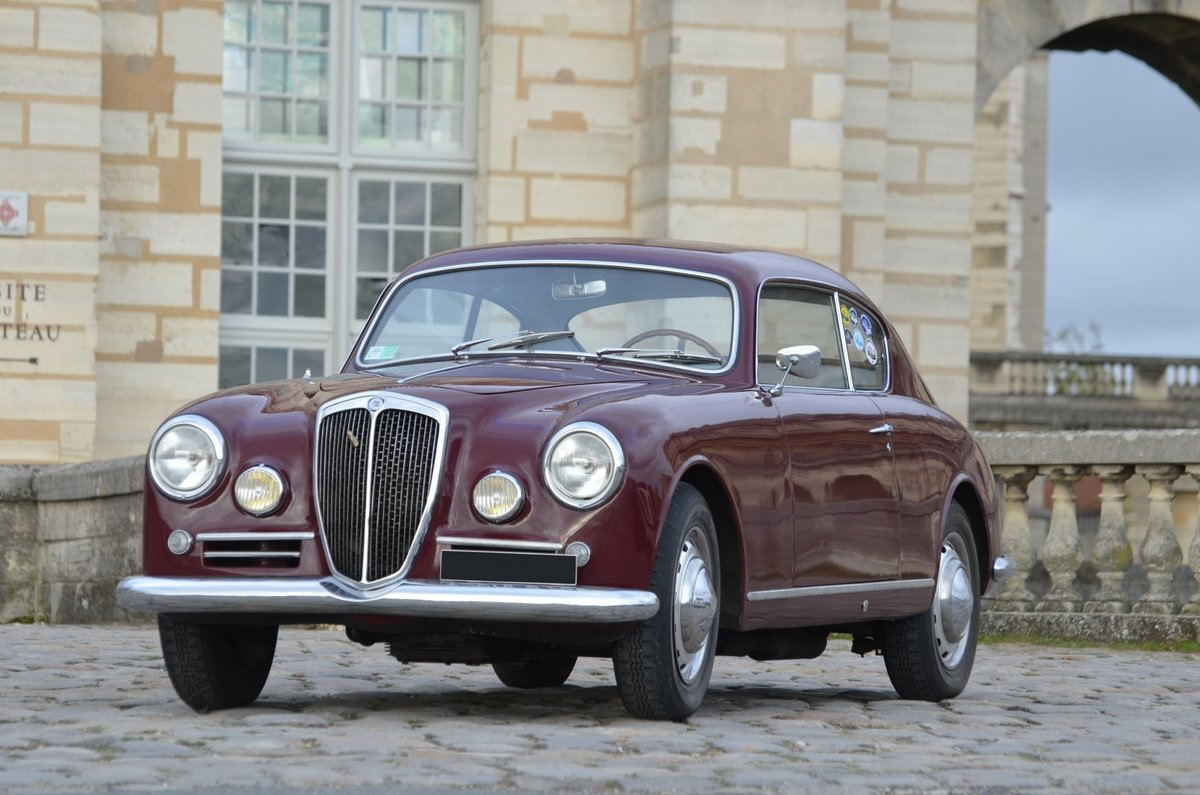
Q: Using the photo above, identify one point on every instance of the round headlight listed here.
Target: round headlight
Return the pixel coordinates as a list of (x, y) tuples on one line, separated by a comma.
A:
[(583, 465), (259, 490), (187, 457), (498, 497)]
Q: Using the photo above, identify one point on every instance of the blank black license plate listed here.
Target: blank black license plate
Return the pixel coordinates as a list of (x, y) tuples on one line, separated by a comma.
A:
[(528, 568)]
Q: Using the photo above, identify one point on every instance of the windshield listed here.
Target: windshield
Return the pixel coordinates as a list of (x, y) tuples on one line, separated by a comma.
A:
[(667, 318)]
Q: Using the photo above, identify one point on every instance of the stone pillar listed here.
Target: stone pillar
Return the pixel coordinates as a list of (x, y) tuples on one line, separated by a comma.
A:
[(1063, 552), (1111, 554), (1193, 605), (1017, 543), (1161, 554)]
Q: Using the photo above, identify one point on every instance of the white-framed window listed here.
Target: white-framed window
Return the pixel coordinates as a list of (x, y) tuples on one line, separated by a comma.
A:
[(318, 210), (400, 219), (412, 76), (277, 70)]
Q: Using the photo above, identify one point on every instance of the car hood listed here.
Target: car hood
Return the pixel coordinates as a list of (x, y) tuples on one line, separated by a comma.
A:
[(498, 377), (558, 387)]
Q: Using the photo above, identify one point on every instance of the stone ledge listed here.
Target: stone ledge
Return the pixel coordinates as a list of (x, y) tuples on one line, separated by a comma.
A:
[(90, 480), (1099, 627), (16, 483), (1044, 448)]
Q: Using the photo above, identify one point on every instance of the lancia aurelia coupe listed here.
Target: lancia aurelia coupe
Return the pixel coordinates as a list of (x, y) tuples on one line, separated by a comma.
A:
[(652, 452)]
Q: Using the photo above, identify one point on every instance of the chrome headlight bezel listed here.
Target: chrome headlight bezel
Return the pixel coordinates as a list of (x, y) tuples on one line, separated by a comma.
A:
[(215, 439), (616, 473), (518, 500)]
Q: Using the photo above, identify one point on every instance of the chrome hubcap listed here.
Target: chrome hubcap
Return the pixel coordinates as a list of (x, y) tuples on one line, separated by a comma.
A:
[(953, 607), (694, 606)]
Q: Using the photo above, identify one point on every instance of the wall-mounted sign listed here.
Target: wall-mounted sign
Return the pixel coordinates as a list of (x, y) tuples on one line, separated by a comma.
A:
[(14, 213)]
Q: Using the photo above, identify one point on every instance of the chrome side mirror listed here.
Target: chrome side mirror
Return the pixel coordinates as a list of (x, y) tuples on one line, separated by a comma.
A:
[(802, 361)]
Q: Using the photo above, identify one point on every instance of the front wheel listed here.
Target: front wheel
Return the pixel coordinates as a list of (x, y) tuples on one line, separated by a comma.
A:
[(929, 656), (663, 665), (217, 667)]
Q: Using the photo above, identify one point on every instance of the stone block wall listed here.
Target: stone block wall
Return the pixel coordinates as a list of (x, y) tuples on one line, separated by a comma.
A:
[(842, 131), (110, 121), (50, 94), (69, 534), (158, 291)]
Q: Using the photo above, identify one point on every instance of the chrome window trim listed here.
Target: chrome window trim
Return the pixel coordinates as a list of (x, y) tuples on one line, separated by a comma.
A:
[(841, 338), (836, 590), (821, 287), (886, 386), (387, 400), (734, 296)]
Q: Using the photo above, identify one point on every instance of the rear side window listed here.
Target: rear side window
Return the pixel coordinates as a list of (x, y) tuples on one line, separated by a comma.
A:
[(865, 346)]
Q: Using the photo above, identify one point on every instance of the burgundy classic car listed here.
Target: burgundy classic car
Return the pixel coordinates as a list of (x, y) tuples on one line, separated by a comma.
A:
[(653, 452)]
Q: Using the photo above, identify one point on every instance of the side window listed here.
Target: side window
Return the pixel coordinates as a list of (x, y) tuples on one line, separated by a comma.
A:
[(864, 346), (789, 316)]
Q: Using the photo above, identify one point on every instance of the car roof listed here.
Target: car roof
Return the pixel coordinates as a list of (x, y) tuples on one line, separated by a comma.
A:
[(746, 267)]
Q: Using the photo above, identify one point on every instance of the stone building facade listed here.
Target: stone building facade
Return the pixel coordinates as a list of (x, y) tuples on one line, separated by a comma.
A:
[(205, 193)]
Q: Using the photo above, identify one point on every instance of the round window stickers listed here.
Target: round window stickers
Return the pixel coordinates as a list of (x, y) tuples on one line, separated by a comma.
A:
[(871, 352)]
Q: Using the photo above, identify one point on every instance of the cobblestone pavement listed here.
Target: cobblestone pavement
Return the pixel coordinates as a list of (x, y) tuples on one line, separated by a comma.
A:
[(90, 708)]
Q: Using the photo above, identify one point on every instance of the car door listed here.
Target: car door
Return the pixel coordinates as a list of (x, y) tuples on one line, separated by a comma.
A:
[(845, 506)]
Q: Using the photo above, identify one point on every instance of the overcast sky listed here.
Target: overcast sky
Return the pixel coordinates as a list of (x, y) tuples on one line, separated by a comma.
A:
[(1123, 231)]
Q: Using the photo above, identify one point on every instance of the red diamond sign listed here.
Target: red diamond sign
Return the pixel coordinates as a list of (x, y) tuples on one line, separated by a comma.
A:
[(14, 213)]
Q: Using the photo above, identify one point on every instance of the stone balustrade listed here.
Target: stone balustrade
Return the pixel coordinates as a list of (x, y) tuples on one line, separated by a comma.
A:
[(1147, 378), (1020, 390), (1140, 561)]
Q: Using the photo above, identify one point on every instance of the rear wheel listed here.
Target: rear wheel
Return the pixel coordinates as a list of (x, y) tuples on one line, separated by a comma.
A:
[(663, 665), (929, 656), (538, 672), (217, 667)]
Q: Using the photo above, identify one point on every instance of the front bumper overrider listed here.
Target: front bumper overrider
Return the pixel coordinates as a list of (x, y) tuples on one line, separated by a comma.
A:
[(416, 599)]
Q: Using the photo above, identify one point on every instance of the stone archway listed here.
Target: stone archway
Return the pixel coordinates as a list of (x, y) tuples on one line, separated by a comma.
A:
[(1008, 246), (1163, 33)]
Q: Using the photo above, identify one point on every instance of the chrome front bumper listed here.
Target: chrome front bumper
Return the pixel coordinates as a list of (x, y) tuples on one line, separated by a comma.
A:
[(1003, 570), (279, 596)]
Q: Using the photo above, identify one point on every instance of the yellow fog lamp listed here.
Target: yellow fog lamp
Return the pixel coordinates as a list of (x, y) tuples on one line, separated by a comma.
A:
[(259, 490)]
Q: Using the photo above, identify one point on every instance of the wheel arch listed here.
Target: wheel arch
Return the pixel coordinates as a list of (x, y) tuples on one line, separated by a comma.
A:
[(702, 477), (966, 496)]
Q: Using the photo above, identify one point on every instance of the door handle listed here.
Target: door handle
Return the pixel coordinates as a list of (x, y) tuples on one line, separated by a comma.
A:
[(885, 428)]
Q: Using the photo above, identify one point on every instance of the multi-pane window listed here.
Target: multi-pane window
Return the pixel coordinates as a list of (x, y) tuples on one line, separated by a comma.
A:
[(244, 364), (274, 236), (412, 76), (347, 157), (277, 70), (400, 221)]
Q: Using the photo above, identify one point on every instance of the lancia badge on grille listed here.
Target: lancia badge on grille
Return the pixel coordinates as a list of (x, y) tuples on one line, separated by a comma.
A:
[(353, 439)]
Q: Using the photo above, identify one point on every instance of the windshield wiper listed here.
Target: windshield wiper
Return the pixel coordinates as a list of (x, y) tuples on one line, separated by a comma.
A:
[(528, 338), (462, 346), (660, 354)]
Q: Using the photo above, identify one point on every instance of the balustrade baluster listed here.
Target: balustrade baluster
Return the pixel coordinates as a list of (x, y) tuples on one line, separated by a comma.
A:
[(1063, 552), (1111, 554), (1160, 549), (1017, 543), (1193, 605)]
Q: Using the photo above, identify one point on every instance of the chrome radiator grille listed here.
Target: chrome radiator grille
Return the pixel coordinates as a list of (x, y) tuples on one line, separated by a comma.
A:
[(374, 472)]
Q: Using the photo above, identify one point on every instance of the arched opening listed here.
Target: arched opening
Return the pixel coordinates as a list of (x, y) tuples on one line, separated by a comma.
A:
[(1122, 152)]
